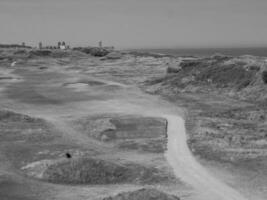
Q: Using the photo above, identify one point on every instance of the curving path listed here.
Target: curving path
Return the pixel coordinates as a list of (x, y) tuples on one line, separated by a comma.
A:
[(189, 170)]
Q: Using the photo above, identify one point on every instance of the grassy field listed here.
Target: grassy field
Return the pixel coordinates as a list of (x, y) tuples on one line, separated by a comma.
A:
[(74, 126)]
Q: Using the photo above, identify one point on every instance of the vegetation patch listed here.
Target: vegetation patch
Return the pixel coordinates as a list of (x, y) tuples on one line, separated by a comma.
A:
[(40, 53), (122, 127), (264, 76), (238, 77), (18, 127), (151, 145), (143, 194), (93, 51), (95, 171)]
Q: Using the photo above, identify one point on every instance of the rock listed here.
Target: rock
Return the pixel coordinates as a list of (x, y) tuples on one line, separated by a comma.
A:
[(143, 194), (13, 64)]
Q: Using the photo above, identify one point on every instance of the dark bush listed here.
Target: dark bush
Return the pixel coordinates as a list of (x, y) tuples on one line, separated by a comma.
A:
[(94, 51), (172, 69), (95, 171), (264, 76), (99, 52), (40, 53), (145, 193), (14, 46), (227, 76), (148, 54), (189, 63)]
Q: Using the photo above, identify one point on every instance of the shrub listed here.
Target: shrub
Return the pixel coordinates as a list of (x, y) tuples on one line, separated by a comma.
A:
[(227, 76), (99, 52), (40, 53), (172, 69), (144, 193), (264, 76), (94, 51)]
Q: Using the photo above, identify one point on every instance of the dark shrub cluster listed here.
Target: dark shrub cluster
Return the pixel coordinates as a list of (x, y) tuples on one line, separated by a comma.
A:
[(94, 51), (95, 171), (171, 70), (14, 46), (40, 53), (143, 194), (264, 76)]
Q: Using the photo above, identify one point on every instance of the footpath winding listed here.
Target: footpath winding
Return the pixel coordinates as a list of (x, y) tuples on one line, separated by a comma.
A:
[(189, 170)]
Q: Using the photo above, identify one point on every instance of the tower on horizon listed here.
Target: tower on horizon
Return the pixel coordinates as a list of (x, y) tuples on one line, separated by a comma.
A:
[(100, 44), (40, 45)]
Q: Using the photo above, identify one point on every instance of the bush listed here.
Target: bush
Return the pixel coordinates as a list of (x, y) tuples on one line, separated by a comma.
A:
[(172, 69), (227, 76), (264, 76), (190, 63), (94, 51), (40, 53), (99, 52), (94, 171), (145, 193)]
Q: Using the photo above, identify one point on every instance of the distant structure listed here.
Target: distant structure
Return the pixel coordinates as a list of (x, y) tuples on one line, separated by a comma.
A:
[(62, 46), (23, 44), (58, 45), (100, 45), (40, 45)]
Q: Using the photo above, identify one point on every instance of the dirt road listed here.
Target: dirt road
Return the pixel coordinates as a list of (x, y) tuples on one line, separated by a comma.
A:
[(189, 170)]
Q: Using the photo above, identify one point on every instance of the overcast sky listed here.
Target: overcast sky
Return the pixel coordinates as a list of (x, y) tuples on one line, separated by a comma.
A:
[(135, 23)]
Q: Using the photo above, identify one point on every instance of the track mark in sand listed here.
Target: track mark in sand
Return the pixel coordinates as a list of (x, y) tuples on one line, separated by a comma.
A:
[(189, 170)]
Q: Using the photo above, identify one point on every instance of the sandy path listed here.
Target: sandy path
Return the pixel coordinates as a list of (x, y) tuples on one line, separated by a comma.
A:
[(189, 170)]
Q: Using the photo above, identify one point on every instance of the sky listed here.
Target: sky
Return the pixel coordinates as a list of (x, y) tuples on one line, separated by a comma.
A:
[(135, 23)]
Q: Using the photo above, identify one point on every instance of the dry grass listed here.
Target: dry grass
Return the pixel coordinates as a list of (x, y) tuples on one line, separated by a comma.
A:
[(143, 194), (94, 171), (264, 76)]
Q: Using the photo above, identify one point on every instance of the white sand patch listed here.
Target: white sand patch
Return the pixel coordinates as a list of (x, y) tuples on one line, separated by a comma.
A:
[(79, 87), (37, 169), (6, 76)]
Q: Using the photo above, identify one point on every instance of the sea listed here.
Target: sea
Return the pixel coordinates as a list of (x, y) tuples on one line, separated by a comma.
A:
[(255, 51)]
